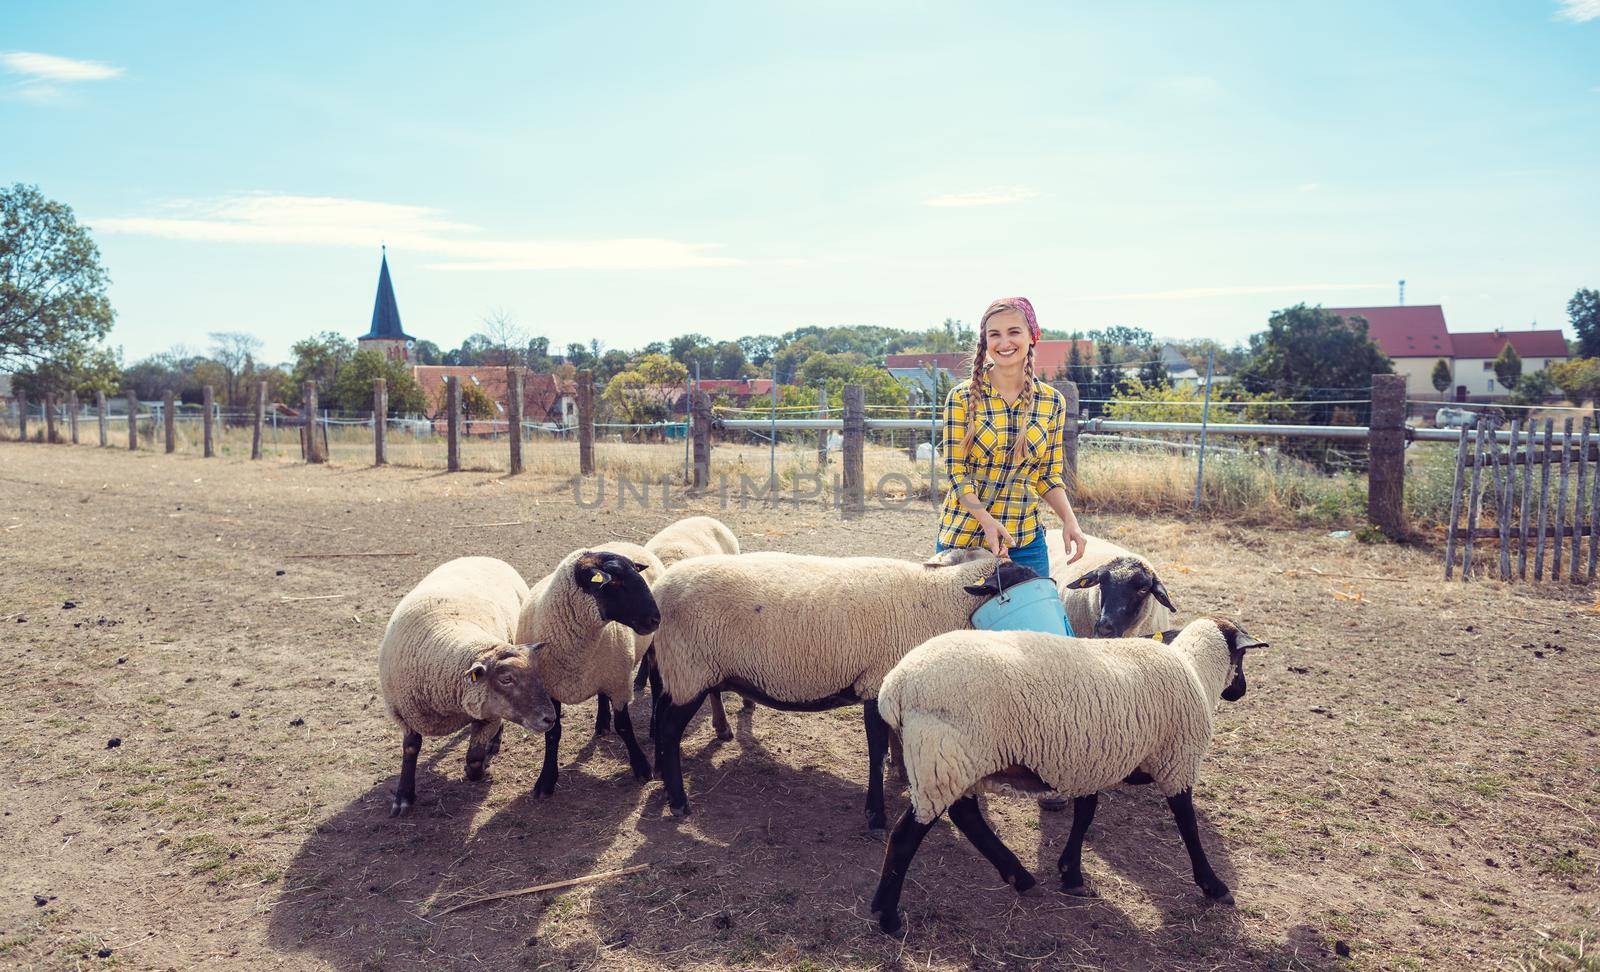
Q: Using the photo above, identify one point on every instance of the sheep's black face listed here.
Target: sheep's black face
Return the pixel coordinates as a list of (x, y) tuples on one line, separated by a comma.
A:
[(1126, 584), (616, 584), (1006, 574), (1238, 643)]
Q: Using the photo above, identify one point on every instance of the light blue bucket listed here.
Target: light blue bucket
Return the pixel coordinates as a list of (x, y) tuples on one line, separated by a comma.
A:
[(1033, 605)]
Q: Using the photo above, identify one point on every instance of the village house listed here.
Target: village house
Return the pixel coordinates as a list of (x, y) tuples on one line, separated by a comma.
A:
[(1416, 338), (546, 399)]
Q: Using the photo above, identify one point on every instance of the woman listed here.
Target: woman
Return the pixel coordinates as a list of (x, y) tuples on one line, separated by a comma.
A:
[(1003, 447)]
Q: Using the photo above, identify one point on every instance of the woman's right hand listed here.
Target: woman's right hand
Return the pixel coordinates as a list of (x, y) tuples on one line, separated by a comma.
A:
[(996, 537)]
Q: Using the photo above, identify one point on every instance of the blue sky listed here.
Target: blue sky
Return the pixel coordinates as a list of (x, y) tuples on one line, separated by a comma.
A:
[(631, 171)]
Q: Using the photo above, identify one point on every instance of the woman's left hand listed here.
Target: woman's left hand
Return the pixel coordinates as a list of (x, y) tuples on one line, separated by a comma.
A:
[(1073, 540)]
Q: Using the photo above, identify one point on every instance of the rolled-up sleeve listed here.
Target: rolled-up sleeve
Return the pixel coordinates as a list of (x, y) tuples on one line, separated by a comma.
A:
[(1051, 471), (955, 453)]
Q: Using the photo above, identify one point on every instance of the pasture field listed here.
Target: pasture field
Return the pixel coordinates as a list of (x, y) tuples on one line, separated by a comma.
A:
[(197, 766)]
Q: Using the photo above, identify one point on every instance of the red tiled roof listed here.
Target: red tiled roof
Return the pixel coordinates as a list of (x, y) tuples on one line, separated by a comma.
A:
[(541, 391), (1529, 344), (1048, 358), (737, 387), (1414, 331)]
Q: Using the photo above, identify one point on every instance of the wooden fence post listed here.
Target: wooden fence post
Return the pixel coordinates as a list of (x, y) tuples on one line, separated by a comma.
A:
[(22, 416), (514, 420), (100, 413), (822, 434), (260, 420), (208, 400), (1580, 503), (380, 422), (452, 388), (1069, 432), (855, 428), (313, 447), (585, 423), (1386, 452), (169, 419), (133, 422), (72, 416), (700, 409), (49, 419)]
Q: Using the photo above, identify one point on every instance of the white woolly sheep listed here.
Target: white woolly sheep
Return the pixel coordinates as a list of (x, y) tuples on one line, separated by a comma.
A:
[(571, 611), (1109, 592), (694, 536), (805, 634), (979, 711), (448, 659)]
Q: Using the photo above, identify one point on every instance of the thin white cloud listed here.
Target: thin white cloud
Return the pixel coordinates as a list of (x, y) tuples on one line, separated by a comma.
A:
[(1199, 293), (1311, 187), (1578, 11), (1198, 86), (1002, 196), (43, 77), (275, 218)]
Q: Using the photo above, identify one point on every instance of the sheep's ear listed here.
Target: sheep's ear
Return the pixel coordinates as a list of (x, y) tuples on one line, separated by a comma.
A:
[(641, 568), (531, 647), (1245, 641), (1085, 582), (1158, 591), (1166, 637), (477, 671)]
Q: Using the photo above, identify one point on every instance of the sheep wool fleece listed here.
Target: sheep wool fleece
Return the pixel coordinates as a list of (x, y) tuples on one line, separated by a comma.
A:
[(694, 536), (1080, 713), (583, 656), (802, 628), (460, 610)]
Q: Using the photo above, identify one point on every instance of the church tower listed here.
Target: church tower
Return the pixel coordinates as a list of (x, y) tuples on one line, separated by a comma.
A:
[(386, 336)]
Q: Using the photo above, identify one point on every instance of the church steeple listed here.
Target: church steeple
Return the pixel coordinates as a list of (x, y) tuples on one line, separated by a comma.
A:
[(386, 334)]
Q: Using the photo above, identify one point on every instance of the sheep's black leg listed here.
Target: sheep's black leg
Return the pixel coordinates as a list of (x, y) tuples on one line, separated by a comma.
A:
[(669, 748), (405, 792), (964, 813), (545, 785), (1071, 863), (877, 745), (903, 844), (719, 717), (478, 746), (655, 696), (636, 759), (494, 744), (1183, 812), (602, 715), (749, 703)]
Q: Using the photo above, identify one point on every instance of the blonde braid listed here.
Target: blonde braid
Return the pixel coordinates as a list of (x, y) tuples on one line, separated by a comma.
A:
[(1020, 446), (980, 357)]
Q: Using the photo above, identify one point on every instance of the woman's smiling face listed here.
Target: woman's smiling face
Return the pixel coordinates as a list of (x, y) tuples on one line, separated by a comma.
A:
[(1006, 335)]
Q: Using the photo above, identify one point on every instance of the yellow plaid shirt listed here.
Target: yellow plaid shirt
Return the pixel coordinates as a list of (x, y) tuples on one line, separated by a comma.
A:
[(982, 469)]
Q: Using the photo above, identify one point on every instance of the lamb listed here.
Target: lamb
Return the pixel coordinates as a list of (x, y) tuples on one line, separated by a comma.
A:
[(571, 610), (1109, 592), (805, 634), (448, 659), (981, 710), (694, 536)]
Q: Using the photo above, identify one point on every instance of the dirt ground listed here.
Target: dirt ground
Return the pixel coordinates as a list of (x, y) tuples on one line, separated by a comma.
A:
[(1413, 779)]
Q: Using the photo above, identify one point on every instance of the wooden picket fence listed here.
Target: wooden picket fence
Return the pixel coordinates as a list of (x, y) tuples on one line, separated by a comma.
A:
[(1520, 513)]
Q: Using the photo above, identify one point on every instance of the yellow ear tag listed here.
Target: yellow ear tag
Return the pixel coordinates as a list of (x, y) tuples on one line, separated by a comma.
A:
[(473, 676), (1160, 636), (599, 578)]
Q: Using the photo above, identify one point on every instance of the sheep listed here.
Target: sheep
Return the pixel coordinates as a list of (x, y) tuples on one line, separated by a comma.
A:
[(1109, 592), (447, 659), (694, 536), (572, 610), (805, 634), (984, 710)]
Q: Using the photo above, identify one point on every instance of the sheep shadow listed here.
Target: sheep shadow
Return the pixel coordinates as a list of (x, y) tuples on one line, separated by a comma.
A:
[(363, 891)]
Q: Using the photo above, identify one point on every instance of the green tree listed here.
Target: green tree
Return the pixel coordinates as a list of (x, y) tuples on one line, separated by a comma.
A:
[(53, 303), (645, 392), (1578, 379), (84, 370), (352, 390), (826, 370), (235, 352), (320, 358), (1583, 310), (1441, 377), (1508, 366), (427, 353), (1534, 388), (475, 402), (1308, 348)]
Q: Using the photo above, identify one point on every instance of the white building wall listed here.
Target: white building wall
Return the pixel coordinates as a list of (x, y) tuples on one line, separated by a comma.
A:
[(1478, 375)]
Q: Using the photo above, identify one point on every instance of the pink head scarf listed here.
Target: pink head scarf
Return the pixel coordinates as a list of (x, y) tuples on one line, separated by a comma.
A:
[(1019, 304)]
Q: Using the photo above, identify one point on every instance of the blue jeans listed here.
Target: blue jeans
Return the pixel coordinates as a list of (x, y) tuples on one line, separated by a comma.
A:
[(1035, 555)]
